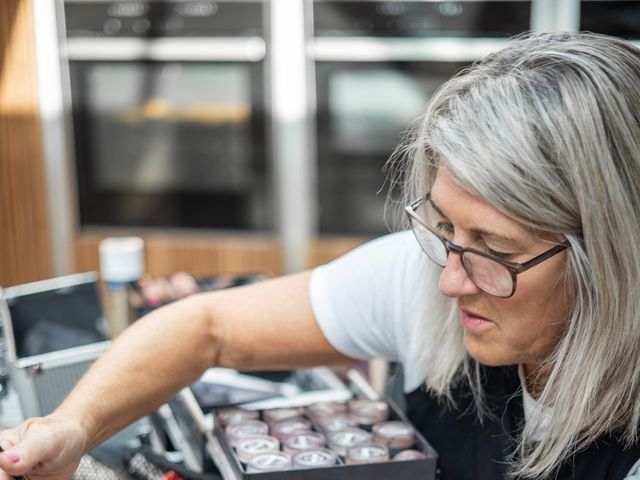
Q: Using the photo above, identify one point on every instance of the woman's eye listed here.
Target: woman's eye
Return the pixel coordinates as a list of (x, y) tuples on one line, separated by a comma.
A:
[(446, 229)]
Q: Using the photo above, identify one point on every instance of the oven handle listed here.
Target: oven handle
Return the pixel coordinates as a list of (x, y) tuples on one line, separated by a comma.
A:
[(372, 49), (220, 49)]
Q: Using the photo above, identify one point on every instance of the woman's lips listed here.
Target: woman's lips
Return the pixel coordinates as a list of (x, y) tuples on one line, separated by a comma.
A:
[(474, 322)]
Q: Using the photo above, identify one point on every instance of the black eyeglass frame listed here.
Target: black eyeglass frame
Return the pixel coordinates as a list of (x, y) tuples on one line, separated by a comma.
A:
[(514, 268)]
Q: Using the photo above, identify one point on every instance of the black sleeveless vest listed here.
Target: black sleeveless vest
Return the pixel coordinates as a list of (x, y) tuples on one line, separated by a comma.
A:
[(474, 451)]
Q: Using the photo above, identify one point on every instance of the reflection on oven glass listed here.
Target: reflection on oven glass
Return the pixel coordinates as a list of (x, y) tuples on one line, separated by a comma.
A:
[(421, 18), (178, 144), (611, 17), (166, 18), (183, 128), (365, 109), (168, 103), (370, 108)]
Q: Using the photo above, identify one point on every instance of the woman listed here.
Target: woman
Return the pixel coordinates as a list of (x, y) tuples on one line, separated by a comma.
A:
[(523, 185)]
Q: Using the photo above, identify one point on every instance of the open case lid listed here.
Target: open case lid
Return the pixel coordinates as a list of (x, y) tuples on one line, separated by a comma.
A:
[(53, 319)]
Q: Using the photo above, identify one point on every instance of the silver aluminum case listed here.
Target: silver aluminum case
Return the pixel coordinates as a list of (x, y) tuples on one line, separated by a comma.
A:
[(43, 381)]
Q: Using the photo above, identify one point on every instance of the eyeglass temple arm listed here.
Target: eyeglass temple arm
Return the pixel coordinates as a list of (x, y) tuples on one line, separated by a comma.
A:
[(542, 257)]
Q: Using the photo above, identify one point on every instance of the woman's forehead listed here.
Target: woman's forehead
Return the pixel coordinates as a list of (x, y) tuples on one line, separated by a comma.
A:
[(472, 213)]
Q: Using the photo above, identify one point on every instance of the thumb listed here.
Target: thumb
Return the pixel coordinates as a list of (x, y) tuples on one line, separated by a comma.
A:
[(24, 447), (13, 458), (48, 447), (30, 458)]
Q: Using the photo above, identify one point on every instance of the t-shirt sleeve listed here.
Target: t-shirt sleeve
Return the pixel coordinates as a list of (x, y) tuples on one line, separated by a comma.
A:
[(368, 301)]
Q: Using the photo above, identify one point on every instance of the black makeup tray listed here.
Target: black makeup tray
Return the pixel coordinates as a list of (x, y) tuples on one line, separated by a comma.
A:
[(215, 446)]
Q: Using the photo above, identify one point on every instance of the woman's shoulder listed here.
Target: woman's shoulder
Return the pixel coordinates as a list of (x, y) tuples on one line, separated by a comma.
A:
[(365, 302), (391, 245), (384, 272)]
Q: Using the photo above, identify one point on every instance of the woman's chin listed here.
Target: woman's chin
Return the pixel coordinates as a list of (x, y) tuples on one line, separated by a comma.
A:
[(487, 353)]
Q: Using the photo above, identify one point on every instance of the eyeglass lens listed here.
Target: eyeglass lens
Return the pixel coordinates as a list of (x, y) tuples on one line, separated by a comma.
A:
[(488, 275), (430, 243)]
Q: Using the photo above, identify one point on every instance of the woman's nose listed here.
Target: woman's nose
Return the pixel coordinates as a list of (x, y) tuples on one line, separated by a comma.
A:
[(454, 280)]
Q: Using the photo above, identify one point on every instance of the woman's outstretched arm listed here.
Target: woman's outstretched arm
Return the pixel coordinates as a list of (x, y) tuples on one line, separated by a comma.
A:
[(268, 325)]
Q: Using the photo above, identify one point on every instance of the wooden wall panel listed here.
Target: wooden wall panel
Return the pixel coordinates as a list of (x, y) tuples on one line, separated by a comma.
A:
[(24, 234), (197, 254), (325, 250), (210, 254)]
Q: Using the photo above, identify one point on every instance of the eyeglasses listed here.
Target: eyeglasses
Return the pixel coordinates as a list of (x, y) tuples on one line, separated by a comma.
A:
[(491, 274)]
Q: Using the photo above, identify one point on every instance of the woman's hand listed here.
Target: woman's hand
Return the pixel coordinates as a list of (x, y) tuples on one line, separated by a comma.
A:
[(47, 448)]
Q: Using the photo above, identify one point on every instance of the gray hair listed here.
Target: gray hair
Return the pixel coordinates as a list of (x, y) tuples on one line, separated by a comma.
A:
[(547, 130)]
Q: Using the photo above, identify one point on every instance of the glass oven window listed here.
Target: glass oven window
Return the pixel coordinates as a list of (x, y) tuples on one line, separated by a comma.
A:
[(421, 18), (369, 107), (170, 144), (151, 19), (364, 109), (618, 18)]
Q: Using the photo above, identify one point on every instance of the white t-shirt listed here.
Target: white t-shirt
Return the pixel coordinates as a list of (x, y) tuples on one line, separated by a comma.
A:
[(369, 301)]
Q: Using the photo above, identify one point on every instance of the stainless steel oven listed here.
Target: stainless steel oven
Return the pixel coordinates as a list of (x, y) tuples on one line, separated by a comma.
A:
[(377, 63), (168, 101), (612, 17)]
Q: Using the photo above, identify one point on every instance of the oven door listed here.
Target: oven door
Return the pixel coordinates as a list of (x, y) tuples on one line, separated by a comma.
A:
[(163, 139), (377, 64), (620, 18), (364, 108)]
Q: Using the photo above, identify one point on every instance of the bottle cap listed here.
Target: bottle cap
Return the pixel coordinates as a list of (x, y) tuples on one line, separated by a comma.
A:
[(249, 447), (317, 458), (280, 414), (245, 428), (326, 409), (121, 259), (342, 440), (233, 415), (368, 412), (269, 462), (334, 423), (367, 454), (303, 441), (394, 434), (409, 455), (284, 428)]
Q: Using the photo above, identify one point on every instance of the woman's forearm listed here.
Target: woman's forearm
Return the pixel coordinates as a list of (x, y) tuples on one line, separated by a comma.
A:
[(143, 368)]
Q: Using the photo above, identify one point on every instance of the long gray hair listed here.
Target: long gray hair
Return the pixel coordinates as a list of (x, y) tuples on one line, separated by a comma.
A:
[(547, 130)]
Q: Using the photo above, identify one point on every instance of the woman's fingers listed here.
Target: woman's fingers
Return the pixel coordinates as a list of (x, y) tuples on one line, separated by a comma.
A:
[(47, 448)]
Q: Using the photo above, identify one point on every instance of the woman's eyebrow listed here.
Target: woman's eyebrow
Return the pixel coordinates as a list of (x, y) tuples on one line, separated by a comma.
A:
[(495, 236), (436, 208), (480, 231)]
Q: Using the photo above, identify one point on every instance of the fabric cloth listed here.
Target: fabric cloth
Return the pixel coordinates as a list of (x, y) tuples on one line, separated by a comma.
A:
[(530, 404), (472, 450), (368, 304)]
